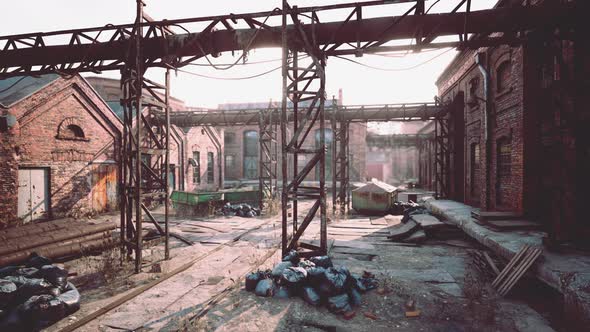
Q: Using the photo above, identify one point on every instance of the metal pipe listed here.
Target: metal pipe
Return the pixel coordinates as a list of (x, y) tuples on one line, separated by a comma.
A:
[(485, 120)]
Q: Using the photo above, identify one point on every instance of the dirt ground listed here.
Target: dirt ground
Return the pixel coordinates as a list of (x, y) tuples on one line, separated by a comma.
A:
[(450, 293)]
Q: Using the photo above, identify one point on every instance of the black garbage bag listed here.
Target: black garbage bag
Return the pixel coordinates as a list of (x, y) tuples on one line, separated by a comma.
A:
[(29, 272), (7, 292), (283, 292), (322, 261), (55, 275), (246, 208), (42, 310), (37, 261), (55, 291), (315, 276), (354, 297), (252, 280), (355, 282), (294, 276), (309, 295), (339, 304), (10, 321), (367, 283), (27, 287), (241, 213), (71, 298), (304, 263), (265, 287), (292, 257), (277, 272), (335, 281), (8, 271)]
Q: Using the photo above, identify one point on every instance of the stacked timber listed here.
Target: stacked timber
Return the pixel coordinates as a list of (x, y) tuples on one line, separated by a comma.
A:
[(53, 239)]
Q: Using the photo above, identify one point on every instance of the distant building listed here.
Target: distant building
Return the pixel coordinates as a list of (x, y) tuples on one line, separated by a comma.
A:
[(242, 148)]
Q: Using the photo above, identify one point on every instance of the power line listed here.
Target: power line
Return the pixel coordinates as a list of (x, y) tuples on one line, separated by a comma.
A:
[(230, 78), (394, 69)]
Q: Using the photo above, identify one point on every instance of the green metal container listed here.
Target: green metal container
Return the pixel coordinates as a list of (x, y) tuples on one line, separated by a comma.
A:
[(242, 196), (185, 198), (375, 198)]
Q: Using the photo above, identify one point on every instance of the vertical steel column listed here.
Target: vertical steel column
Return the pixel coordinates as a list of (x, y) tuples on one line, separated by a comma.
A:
[(340, 162), (304, 86), (442, 156), (167, 167), (268, 158)]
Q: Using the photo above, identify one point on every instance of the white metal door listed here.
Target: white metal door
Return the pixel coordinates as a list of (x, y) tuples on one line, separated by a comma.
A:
[(33, 193)]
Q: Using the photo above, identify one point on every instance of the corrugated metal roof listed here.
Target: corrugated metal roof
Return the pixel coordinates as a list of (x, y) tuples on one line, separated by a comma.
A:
[(15, 89)]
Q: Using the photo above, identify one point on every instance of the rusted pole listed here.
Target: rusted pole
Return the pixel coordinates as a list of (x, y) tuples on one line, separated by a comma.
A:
[(284, 193), (167, 170), (138, 86)]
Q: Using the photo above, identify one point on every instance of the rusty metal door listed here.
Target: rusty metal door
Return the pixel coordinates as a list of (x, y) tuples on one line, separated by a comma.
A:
[(33, 193), (104, 187)]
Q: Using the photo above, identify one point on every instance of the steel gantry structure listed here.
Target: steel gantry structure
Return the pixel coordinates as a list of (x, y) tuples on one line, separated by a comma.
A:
[(133, 48)]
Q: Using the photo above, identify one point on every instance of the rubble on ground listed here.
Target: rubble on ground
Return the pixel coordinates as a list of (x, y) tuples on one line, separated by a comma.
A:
[(315, 280), (35, 295), (240, 210)]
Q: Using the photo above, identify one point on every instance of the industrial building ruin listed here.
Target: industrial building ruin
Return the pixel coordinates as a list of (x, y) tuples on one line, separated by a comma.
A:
[(151, 178)]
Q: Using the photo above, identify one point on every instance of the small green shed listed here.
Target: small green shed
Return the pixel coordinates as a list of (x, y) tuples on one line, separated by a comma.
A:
[(374, 198)]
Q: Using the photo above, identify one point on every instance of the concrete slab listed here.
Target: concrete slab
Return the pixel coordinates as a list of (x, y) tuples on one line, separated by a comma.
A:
[(566, 272)]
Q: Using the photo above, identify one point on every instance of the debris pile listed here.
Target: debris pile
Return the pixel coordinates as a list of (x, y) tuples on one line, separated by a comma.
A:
[(417, 225), (35, 295), (240, 210), (315, 280)]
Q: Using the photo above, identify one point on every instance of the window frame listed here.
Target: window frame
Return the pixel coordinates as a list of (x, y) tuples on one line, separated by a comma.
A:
[(210, 167), (197, 167)]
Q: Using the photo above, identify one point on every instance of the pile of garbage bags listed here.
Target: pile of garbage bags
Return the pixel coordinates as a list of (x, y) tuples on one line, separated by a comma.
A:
[(35, 295), (240, 210), (315, 280)]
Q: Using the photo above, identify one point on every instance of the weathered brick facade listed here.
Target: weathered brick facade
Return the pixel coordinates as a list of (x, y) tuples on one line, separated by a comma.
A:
[(76, 162), (537, 157)]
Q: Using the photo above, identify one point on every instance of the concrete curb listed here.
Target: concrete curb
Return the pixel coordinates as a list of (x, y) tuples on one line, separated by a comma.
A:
[(567, 273)]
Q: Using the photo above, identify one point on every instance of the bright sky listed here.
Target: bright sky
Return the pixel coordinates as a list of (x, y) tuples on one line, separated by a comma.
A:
[(360, 85)]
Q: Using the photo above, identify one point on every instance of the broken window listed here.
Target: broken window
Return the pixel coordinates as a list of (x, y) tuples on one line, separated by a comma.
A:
[(196, 167), (210, 161)]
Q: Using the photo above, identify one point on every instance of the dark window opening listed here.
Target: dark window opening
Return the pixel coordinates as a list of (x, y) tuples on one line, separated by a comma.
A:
[(251, 154), (474, 168), (196, 167), (229, 138), (503, 76), (210, 161)]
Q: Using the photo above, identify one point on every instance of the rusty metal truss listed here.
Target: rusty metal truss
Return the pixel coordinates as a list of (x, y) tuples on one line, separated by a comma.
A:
[(304, 82), (145, 152), (268, 159), (442, 157), (106, 48)]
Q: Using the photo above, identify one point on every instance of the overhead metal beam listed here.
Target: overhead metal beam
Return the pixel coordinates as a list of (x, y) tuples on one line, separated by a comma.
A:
[(352, 113), (87, 51)]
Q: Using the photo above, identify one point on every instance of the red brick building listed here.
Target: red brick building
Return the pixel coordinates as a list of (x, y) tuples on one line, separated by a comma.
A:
[(58, 149), (517, 137)]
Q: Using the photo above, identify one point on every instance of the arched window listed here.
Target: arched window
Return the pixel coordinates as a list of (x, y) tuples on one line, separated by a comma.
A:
[(74, 131), (70, 130), (251, 154), (503, 74)]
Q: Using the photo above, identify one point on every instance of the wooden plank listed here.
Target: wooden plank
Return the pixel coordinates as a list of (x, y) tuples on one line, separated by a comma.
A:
[(509, 266), (428, 222), (416, 237), (379, 221), (491, 263), (519, 271)]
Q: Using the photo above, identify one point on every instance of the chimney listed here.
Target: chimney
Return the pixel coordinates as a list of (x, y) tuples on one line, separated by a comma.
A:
[(340, 103)]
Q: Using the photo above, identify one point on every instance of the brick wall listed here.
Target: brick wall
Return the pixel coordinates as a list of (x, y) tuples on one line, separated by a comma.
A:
[(41, 139), (235, 149)]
